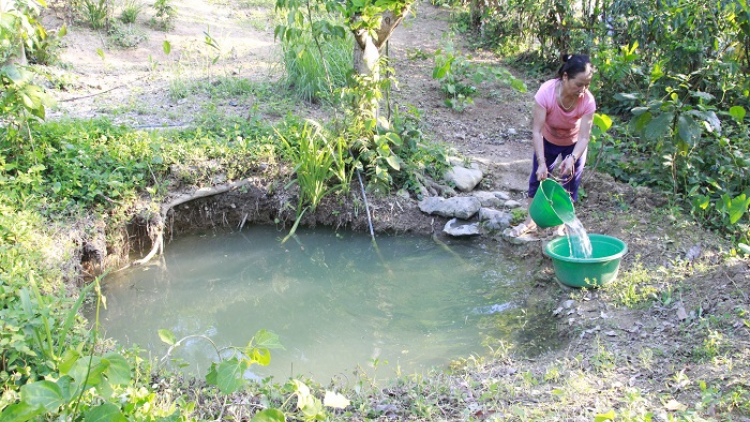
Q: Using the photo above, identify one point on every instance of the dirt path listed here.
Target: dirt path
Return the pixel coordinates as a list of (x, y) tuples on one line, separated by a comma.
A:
[(132, 86)]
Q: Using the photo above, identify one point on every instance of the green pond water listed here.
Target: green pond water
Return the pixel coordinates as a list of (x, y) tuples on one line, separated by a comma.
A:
[(337, 304)]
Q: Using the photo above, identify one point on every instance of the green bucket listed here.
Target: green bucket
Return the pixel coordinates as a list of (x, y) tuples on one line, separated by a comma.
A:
[(598, 270), (552, 205)]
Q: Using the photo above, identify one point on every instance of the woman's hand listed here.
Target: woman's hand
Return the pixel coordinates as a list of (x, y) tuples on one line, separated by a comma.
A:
[(568, 166), (541, 172)]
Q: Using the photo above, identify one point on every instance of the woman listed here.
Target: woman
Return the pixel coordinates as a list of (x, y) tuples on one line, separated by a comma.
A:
[(563, 114)]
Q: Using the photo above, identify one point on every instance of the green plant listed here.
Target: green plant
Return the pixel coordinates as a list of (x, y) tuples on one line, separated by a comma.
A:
[(165, 14), (459, 77), (130, 11), (125, 36), (96, 12), (316, 160)]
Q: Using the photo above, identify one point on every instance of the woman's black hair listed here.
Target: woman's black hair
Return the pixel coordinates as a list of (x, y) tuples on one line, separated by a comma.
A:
[(573, 64)]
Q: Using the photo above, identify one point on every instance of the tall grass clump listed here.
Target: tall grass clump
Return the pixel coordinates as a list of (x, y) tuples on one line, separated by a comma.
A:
[(316, 67), (95, 12), (130, 11)]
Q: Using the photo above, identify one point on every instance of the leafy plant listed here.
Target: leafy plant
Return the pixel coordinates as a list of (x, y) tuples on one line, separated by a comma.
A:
[(125, 36), (96, 12), (165, 15), (316, 161), (130, 11), (459, 77)]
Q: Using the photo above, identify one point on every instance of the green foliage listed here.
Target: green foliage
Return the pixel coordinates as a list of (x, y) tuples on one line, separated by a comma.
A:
[(459, 77), (316, 48), (317, 161), (125, 36), (673, 74), (97, 13), (130, 11), (21, 32), (165, 14), (21, 100)]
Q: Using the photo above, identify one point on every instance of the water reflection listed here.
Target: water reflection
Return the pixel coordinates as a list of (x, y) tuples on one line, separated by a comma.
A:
[(335, 303)]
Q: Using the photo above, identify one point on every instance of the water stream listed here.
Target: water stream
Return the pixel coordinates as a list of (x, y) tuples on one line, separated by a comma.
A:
[(578, 239), (337, 305)]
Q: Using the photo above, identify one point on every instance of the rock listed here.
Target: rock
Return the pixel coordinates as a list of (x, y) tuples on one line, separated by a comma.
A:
[(457, 228), (464, 179), (488, 199), (520, 240), (502, 195), (494, 219), (512, 204), (512, 131), (463, 207)]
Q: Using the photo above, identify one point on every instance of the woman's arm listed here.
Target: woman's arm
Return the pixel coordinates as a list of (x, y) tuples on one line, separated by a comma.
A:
[(569, 163), (540, 116)]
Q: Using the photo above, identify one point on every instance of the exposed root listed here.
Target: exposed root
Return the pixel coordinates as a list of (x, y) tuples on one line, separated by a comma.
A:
[(158, 239)]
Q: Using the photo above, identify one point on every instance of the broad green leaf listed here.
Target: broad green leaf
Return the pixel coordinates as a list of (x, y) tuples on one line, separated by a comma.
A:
[(228, 375), (13, 73), (68, 359), (167, 47), (602, 121), (626, 96), (118, 372), (269, 415), (261, 356), (63, 31), (688, 129), (167, 336), (440, 71), (713, 124), (80, 370), (45, 393), (744, 248), (267, 339), (335, 400), (659, 127), (20, 412), (100, 53), (737, 207), (701, 201), (393, 161), (602, 417), (738, 112), (107, 412), (656, 73)]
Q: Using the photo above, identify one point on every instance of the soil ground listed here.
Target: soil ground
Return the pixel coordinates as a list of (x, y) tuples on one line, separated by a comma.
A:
[(647, 345)]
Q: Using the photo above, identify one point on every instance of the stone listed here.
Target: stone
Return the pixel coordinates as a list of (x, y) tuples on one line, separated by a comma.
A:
[(494, 219), (488, 199), (463, 207), (464, 179), (457, 228), (502, 195), (512, 204)]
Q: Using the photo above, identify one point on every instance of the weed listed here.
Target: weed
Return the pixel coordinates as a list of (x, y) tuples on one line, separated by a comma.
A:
[(125, 36), (96, 12), (130, 11), (165, 15)]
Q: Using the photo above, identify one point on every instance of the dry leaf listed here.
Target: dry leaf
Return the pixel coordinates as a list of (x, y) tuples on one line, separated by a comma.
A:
[(674, 405)]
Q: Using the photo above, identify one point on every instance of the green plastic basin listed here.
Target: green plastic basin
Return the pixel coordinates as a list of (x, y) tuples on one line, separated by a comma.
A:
[(552, 205), (598, 270)]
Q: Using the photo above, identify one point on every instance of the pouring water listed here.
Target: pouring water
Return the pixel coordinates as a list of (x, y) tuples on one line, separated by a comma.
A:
[(578, 239)]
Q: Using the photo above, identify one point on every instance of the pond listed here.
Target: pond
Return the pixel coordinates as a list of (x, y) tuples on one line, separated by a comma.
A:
[(338, 303)]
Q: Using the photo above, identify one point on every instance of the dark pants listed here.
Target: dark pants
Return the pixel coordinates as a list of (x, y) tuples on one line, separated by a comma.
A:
[(551, 151)]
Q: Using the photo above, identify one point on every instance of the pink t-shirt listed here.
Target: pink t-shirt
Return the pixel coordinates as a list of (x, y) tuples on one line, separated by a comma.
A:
[(561, 127)]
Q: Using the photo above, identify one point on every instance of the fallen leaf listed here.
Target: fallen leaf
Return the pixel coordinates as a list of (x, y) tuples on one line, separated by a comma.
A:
[(674, 405)]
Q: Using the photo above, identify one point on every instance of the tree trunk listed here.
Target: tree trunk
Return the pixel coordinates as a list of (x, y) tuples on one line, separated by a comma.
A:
[(367, 47)]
